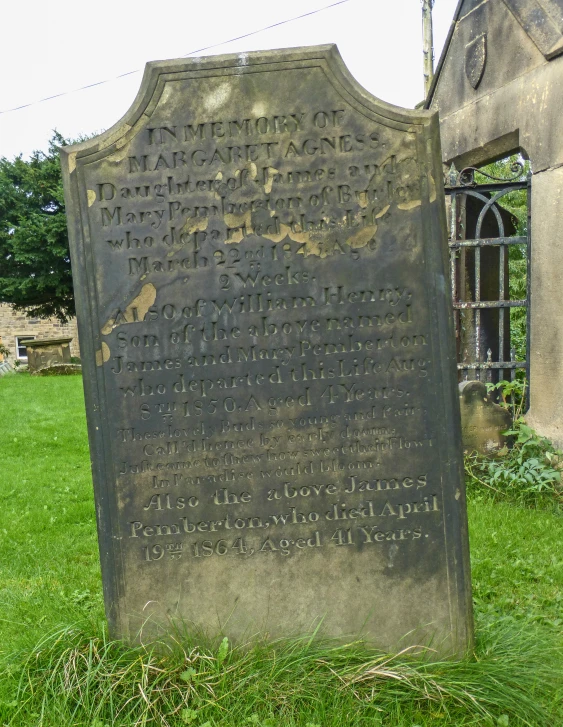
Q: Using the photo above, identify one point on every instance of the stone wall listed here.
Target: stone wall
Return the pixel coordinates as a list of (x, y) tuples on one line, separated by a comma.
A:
[(16, 324)]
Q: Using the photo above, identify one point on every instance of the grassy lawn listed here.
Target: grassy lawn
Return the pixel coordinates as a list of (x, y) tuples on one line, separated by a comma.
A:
[(58, 669)]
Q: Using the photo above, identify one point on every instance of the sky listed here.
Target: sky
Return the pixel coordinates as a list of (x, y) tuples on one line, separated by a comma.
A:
[(54, 48)]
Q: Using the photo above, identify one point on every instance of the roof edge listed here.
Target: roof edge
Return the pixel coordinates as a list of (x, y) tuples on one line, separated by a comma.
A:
[(443, 55)]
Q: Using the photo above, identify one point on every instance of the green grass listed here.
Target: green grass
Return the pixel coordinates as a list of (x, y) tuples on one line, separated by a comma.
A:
[(58, 669), (49, 566)]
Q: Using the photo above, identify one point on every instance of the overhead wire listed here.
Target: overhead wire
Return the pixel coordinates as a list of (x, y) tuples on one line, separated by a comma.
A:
[(186, 55)]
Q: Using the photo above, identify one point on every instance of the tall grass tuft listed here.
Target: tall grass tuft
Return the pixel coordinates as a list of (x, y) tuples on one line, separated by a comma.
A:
[(74, 678)]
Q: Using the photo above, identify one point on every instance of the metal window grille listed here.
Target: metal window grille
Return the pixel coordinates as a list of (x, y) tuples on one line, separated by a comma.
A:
[(479, 243)]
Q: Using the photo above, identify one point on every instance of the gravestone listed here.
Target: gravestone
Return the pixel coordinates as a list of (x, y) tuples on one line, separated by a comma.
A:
[(482, 421), (43, 353), (259, 255), (6, 368)]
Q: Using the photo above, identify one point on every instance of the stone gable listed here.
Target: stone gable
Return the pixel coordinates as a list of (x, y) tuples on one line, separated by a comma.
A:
[(498, 83)]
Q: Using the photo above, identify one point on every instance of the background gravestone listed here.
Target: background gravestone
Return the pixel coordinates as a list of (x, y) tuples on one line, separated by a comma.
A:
[(46, 352), (259, 252), (482, 421)]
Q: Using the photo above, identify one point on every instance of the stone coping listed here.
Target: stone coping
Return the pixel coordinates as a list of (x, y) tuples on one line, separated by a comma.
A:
[(39, 342)]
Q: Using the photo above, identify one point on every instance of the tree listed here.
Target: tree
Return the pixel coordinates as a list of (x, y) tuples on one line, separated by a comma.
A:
[(35, 274)]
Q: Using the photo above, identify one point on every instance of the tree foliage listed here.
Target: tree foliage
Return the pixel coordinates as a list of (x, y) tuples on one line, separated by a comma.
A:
[(35, 274)]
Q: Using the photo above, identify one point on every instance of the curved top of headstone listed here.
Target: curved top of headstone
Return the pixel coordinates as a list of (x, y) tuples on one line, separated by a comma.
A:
[(160, 73), (473, 390)]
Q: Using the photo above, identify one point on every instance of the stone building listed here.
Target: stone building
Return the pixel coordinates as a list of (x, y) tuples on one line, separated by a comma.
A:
[(16, 328), (499, 90)]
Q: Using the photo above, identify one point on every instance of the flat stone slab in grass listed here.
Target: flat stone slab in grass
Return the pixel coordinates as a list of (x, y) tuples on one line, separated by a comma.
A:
[(6, 368), (59, 370), (259, 254)]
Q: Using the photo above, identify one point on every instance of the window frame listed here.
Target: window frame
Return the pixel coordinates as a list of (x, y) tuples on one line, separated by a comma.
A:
[(18, 346)]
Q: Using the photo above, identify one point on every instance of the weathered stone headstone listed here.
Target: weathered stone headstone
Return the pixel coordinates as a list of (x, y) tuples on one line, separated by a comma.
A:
[(43, 353), (259, 260), (482, 421), (6, 368)]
